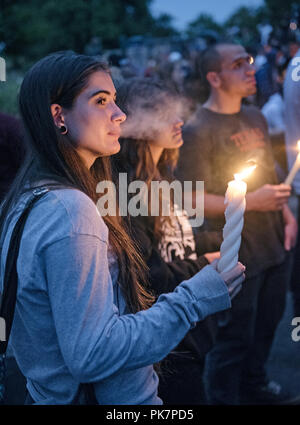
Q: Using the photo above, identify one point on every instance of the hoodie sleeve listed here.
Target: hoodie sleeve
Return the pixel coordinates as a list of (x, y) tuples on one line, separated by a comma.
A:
[(95, 341)]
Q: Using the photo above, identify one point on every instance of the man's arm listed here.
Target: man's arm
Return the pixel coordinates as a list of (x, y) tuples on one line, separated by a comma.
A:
[(266, 198), (290, 228), (213, 205)]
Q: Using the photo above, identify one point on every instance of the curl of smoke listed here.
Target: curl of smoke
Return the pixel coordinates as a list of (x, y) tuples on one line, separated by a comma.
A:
[(145, 120)]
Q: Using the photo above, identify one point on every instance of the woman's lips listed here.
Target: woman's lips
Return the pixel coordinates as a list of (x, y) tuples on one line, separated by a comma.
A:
[(115, 133)]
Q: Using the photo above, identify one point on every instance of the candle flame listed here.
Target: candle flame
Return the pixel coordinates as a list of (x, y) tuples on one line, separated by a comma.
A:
[(298, 145), (245, 173)]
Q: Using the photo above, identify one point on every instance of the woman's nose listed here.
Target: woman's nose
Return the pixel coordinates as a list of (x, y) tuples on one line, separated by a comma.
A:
[(118, 115)]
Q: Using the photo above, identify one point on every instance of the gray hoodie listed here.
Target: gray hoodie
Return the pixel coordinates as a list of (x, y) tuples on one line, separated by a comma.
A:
[(71, 323)]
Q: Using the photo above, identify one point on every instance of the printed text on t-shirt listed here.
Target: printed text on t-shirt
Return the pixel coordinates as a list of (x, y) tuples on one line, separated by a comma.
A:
[(249, 139)]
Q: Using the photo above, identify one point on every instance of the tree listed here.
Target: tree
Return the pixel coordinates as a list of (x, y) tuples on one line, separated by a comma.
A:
[(163, 26), (202, 24), (279, 8), (245, 19), (280, 14), (33, 28)]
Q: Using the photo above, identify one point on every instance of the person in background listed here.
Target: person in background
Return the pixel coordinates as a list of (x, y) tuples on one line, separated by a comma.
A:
[(265, 77), (274, 113), (82, 312), (150, 142), (291, 97), (219, 139)]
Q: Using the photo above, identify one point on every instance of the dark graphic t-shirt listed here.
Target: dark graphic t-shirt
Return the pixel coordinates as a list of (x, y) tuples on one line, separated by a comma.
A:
[(172, 259), (177, 242), (216, 146)]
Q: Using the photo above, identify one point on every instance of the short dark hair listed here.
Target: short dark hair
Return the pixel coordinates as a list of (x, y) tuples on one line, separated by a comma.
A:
[(210, 61)]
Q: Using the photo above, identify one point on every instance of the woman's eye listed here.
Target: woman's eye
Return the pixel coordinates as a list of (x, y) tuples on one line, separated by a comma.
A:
[(101, 101)]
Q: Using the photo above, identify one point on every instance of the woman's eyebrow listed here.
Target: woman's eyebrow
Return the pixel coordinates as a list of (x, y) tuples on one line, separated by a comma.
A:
[(101, 91)]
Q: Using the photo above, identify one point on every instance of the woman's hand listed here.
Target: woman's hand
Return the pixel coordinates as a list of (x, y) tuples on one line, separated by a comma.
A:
[(233, 278)]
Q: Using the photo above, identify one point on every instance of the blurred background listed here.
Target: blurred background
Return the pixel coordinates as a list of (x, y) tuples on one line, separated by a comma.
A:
[(161, 38), (144, 37)]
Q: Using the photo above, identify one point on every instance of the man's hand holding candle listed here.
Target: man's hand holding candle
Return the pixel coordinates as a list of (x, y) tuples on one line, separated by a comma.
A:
[(268, 198)]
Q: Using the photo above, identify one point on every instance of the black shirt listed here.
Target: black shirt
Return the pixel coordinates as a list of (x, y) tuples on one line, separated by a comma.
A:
[(216, 146), (173, 258)]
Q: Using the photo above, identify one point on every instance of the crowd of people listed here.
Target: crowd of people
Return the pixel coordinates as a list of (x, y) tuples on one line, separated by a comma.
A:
[(114, 309)]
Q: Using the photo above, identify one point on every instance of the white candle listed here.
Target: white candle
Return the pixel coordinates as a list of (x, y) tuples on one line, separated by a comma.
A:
[(295, 167), (234, 216)]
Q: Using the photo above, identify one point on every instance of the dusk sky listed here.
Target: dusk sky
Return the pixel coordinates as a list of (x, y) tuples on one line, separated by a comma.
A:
[(185, 11)]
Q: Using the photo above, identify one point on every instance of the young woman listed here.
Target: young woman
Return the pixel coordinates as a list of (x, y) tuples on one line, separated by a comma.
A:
[(149, 151), (81, 312)]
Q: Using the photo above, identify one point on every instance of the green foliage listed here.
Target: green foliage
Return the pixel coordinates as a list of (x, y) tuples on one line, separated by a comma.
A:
[(246, 19), (243, 16), (163, 26), (34, 29), (280, 12), (204, 22), (279, 8)]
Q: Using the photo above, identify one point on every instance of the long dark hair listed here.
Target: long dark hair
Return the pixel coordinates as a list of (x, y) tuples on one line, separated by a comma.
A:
[(150, 97), (60, 78)]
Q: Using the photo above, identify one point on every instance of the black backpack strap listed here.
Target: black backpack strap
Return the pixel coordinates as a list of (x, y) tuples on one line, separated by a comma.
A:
[(86, 393), (10, 282)]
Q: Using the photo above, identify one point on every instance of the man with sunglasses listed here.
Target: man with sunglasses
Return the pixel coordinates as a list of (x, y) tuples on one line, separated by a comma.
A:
[(219, 140)]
